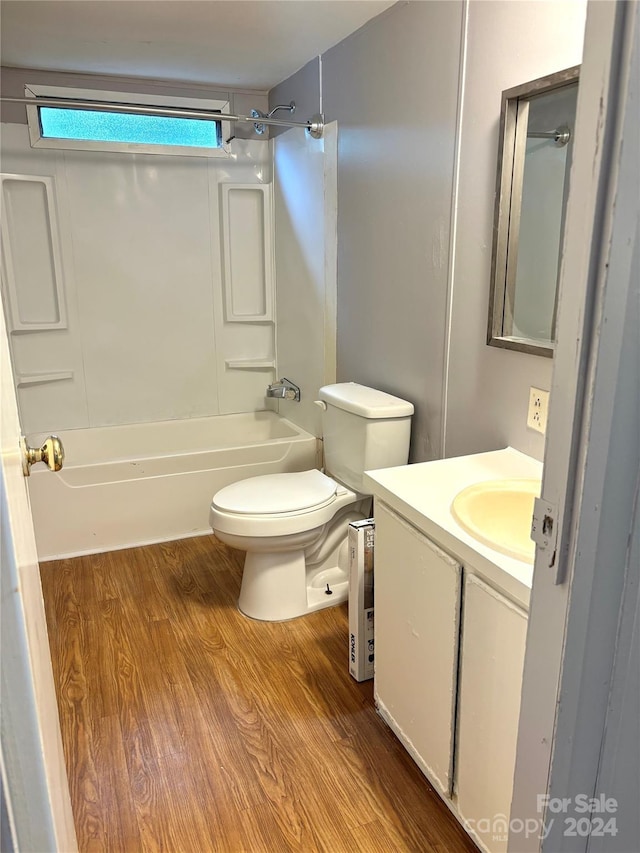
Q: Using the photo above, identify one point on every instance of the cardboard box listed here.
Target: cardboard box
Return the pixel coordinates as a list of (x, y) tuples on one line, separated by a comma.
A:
[(361, 549)]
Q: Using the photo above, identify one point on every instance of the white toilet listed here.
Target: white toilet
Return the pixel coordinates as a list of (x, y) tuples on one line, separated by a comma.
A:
[(294, 526)]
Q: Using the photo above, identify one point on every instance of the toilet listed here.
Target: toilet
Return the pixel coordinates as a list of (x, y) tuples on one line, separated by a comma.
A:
[(294, 526)]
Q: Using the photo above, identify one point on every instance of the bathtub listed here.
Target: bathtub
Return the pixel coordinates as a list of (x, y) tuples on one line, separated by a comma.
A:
[(131, 485)]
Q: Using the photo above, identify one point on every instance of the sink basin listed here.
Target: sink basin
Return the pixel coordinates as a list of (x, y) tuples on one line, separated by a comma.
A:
[(498, 513)]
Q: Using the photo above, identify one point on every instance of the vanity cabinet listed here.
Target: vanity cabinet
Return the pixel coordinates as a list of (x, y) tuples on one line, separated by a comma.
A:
[(491, 661), (450, 652), (417, 625)]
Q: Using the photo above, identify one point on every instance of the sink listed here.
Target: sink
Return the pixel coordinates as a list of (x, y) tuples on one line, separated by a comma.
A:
[(498, 513)]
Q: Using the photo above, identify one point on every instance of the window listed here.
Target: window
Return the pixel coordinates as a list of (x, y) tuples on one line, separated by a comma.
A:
[(62, 127), (61, 123)]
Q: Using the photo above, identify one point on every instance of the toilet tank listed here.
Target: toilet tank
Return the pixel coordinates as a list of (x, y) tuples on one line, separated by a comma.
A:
[(363, 429)]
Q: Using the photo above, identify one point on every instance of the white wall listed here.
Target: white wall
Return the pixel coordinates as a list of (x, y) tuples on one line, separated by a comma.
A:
[(147, 336), (488, 388), (305, 238)]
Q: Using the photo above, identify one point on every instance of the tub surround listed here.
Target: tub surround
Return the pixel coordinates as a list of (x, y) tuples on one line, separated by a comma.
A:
[(158, 312), (132, 485)]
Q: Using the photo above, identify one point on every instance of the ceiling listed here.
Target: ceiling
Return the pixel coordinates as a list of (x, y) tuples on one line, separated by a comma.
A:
[(243, 43)]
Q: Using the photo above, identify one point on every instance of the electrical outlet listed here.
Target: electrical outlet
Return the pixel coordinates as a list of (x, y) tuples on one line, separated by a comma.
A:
[(538, 408)]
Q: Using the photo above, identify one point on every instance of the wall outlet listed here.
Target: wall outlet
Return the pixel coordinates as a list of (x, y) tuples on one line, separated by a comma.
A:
[(538, 408)]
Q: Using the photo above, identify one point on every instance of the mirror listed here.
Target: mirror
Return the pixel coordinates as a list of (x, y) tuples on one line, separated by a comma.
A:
[(534, 160)]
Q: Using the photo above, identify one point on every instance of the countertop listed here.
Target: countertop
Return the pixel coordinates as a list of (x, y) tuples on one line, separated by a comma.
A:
[(423, 493)]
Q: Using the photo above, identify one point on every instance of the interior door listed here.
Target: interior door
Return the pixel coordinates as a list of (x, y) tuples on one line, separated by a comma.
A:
[(35, 784)]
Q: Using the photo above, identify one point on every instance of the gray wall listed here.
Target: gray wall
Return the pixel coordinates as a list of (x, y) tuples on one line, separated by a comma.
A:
[(304, 89), (6, 837), (488, 389), (393, 88)]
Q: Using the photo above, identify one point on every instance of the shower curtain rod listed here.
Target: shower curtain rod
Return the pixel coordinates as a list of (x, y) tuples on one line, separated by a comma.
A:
[(314, 126), (560, 135)]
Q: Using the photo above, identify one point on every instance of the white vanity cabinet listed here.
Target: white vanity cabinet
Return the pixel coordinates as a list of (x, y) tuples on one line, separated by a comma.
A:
[(417, 625), (450, 635), (491, 661)]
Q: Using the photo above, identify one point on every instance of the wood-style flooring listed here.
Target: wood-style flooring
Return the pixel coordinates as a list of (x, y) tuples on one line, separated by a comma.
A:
[(189, 728)]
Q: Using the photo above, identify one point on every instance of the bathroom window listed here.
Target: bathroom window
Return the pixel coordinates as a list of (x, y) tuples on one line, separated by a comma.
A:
[(61, 123), (94, 130)]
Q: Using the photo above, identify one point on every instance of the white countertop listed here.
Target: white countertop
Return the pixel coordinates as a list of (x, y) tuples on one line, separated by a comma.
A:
[(423, 493)]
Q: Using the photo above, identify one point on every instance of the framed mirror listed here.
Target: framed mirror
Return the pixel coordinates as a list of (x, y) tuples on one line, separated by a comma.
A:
[(534, 160)]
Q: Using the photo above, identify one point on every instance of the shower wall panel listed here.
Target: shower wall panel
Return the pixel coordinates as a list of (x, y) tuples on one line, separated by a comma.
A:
[(32, 265), (305, 194), (140, 273)]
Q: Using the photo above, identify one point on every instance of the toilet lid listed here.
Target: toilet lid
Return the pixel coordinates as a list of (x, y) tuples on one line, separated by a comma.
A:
[(277, 493)]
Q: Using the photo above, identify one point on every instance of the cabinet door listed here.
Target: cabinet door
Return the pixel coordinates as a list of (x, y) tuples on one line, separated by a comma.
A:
[(417, 620), (493, 644)]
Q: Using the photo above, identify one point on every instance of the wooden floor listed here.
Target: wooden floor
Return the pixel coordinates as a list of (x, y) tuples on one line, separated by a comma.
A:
[(188, 727)]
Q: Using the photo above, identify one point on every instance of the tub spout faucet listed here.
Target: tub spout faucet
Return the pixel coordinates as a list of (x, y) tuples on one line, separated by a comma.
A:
[(284, 389)]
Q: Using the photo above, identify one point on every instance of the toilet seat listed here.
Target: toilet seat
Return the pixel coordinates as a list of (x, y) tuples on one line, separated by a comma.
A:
[(277, 494), (278, 504)]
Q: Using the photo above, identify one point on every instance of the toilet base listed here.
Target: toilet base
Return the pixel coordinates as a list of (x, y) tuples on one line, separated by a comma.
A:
[(277, 586)]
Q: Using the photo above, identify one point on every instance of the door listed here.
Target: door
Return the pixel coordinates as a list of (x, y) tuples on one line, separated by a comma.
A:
[(36, 789)]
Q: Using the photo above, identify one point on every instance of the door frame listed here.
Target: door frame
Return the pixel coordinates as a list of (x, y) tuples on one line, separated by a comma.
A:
[(563, 703)]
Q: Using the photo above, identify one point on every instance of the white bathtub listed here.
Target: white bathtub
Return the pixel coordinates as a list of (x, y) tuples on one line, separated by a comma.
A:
[(132, 485)]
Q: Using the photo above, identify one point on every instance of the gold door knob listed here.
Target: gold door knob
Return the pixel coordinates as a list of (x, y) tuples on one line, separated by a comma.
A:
[(51, 453)]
